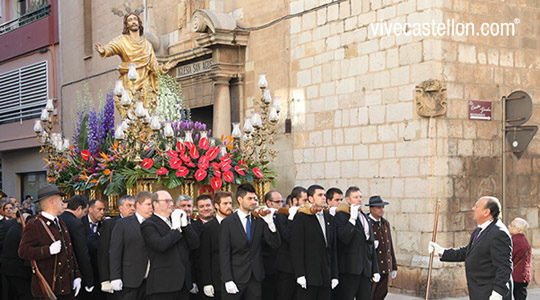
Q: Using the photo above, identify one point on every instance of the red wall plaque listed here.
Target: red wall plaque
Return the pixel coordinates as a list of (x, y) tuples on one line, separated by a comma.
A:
[(480, 110)]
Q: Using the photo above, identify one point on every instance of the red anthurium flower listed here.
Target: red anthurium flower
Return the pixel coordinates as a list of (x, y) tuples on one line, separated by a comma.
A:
[(175, 163), (204, 144), (215, 182), (182, 171), (200, 174), (258, 172), (212, 153), (161, 171), (215, 165), (239, 170), (194, 153), (185, 157), (203, 160), (203, 166), (147, 163), (226, 167), (180, 147), (190, 145), (190, 164), (228, 176), (172, 153), (217, 172), (225, 160), (242, 163), (85, 154)]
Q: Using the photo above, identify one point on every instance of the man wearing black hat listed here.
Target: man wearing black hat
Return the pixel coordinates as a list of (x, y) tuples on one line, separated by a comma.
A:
[(46, 240), (386, 258)]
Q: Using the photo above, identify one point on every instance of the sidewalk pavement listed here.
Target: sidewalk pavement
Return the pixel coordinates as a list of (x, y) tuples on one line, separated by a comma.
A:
[(533, 294)]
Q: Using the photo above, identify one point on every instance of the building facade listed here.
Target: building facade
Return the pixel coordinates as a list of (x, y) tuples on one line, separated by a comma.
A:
[(29, 75), (383, 108)]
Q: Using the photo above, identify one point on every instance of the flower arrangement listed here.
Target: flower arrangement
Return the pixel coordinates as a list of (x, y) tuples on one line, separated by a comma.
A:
[(96, 161)]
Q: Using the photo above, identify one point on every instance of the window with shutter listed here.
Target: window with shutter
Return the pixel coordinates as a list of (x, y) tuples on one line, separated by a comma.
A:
[(23, 92)]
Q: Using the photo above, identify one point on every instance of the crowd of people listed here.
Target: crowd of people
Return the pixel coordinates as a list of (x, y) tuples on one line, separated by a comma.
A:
[(316, 244)]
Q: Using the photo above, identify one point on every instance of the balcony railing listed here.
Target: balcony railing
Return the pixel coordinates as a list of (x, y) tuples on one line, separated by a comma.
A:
[(25, 19)]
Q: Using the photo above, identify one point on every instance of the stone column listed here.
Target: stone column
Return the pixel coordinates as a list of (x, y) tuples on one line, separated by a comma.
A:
[(222, 107)]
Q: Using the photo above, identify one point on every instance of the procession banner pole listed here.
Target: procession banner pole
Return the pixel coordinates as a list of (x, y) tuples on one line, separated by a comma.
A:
[(433, 239)]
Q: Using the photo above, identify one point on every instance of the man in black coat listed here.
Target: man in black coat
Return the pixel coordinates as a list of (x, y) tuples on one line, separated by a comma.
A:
[(92, 228), (356, 249), (273, 199), (16, 270), (241, 236), (76, 210), (209, 248), (126, 207), (128, 256), (286, 282), (487, 256), (313, 248), (169, 242)]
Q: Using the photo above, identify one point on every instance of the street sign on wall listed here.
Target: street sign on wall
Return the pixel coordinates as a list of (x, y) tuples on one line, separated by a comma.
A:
[(479, 110)]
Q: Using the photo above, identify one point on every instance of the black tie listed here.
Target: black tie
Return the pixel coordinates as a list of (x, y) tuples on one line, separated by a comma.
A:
[(57, 224)]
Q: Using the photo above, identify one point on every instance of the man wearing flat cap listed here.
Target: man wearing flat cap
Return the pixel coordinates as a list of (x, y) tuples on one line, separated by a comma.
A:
[(46, 240), (384, 248)]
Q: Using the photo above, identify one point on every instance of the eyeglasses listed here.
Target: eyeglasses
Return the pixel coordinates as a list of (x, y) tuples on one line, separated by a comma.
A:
[(277, 201), (166, 200)]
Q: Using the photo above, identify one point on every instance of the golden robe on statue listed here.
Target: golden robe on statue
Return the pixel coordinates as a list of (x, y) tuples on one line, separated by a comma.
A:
[(140, 53)]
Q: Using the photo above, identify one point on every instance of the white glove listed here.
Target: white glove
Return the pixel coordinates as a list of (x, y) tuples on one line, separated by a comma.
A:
[(435, 247), (195, 289), (208, 290), (55, 247), (335, 282), (89, 289), (116, 284), (269, 219), (292, 212), (302, 282), (183, 219), (376, 242), (354, 214), (332, 210), (106, 287), (393, 274), (495, 296), (376, 277), (176, 217), (231, 287), (77, 285)]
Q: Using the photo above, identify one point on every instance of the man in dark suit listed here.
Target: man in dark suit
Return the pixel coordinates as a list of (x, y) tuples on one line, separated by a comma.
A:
[(126, 206), (286, 282), (487, 256), (313, 248), (274, 200), (76, 210), (92, 228), (46, 240), (356, 249), (205, 210), (209, 248), (128, 256), (169, 242), (16, 270), (242, 269)]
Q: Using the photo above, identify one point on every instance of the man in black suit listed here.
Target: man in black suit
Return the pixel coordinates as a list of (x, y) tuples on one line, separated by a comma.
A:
[(274, 200), (356, 249), (128, 256), (313, 248), (209, 248), (126, 207), (77, 209), (92, 226), (286, 282), (203, 203), (241, 236), (169, 242), (487, 256)]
